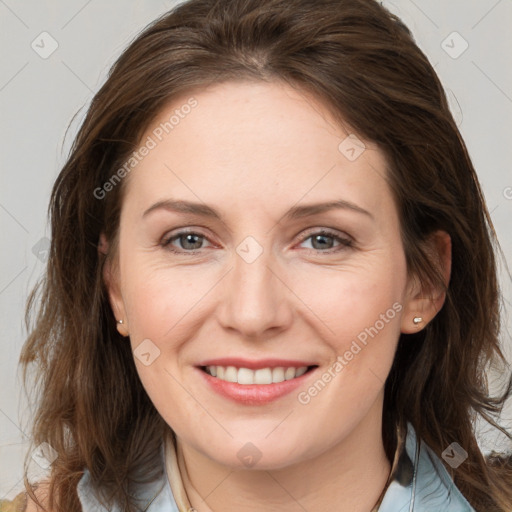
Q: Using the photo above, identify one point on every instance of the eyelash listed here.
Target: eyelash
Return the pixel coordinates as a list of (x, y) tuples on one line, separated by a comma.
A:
[(344, 242)]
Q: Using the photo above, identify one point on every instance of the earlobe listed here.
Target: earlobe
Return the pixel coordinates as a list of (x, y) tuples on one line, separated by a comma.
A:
[(111, 280), (424, 302)]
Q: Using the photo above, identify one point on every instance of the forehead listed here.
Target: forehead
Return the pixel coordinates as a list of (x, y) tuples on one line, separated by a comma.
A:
[(254, 137)]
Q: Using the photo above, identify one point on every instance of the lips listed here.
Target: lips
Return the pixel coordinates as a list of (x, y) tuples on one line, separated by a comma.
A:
[(254, 382), (239, 362)]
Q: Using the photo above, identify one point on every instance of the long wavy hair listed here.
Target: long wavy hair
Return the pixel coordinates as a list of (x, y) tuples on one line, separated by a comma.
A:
[(363, 63)]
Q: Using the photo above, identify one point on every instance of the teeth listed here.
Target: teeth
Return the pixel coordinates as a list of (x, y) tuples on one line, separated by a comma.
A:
[(231, 374), (278, 374), (261, 376), (301, 371), (289, 373)]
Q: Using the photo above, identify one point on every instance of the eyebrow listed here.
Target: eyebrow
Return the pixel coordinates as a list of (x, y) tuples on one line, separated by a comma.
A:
[(296, 212)]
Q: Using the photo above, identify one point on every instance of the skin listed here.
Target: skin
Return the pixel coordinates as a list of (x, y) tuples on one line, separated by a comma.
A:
[(253, 150)]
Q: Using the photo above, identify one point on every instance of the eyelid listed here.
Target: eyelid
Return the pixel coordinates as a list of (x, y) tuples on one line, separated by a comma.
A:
[(326, 231), (166, 240), (344, 239)]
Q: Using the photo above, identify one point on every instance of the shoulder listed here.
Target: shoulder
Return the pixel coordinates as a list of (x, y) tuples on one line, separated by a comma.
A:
[(422, 483), (41, 492), (24, 503), (18, 504), (435, 487)]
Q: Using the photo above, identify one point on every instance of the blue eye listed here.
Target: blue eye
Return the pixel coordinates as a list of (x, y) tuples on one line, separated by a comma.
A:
[(323, 241), (186, 239)]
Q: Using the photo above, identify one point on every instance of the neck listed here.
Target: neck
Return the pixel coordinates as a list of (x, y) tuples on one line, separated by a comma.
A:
[(349, 477)]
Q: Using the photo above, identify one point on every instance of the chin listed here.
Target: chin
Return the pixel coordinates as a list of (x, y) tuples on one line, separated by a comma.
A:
[(263, 455)]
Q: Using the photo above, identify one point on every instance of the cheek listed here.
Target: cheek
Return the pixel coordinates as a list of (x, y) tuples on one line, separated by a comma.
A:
[(349, 300), (158, 299), (364, 328), (160, 303), (357, 310)]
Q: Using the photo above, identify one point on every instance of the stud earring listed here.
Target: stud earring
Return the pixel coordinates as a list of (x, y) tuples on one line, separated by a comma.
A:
[(417, 320), (120, 322)]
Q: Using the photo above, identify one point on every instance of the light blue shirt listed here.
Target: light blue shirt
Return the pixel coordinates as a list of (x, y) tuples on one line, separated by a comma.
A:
[(429, 489)]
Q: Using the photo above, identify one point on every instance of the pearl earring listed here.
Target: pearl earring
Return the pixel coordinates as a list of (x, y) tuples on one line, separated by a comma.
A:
[(417, 320), (120, 322)]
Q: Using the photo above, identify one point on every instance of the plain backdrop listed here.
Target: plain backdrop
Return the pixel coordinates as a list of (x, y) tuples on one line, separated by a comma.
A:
[(55, 55)]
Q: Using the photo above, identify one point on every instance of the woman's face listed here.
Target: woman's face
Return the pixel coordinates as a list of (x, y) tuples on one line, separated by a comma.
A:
[(254, 234)]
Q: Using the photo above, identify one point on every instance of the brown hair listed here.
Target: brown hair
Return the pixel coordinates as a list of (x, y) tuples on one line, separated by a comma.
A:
[(362, 62)]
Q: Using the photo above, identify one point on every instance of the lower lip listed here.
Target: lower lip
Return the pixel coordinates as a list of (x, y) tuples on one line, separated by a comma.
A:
[(254, 394)]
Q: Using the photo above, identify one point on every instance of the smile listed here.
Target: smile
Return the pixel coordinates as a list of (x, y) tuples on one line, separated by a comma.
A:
[(254, 382), (247, 376)]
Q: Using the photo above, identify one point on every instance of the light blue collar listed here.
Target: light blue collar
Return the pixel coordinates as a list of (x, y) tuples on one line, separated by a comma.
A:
[(429, 489)]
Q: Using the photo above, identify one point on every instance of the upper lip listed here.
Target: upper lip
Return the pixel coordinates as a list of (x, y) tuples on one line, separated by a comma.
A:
[(239, 362)]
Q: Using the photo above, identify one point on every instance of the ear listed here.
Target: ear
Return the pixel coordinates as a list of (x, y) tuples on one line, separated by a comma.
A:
[(424, 301), (111, 280)]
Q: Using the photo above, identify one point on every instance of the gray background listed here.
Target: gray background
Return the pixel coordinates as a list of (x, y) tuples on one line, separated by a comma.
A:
[(39, 96)]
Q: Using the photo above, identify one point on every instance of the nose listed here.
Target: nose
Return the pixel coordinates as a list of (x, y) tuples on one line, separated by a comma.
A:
[(255, 298)]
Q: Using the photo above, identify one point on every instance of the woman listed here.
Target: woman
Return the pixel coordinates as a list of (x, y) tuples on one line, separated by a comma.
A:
[(272, 280)]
